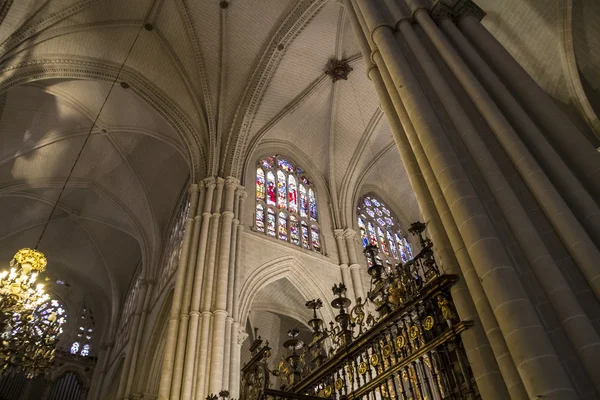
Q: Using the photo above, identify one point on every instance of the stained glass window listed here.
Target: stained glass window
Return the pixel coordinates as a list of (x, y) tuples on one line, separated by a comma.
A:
[(281, 190), (312, 205), (363, 233), (372, 237), (392, 245), (382, 241), (379, 226), (285, 165), (294, 230), (271, 222), (305, 242), (85, 351), (292, 194), (75, 348), (260, 184), (303, 202), (282, 228), (316, 239), (286, 203), (260, 218), (270, 188)]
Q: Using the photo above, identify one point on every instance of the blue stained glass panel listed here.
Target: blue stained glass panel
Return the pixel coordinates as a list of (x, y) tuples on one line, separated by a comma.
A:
[(305, 241), (312, 205), (294, 230), (285, 165), (260, 218), (282, 226), (303, 202), (270, 222)]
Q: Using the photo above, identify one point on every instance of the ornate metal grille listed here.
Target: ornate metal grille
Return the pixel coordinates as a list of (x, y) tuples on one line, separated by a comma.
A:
[(404, 343)]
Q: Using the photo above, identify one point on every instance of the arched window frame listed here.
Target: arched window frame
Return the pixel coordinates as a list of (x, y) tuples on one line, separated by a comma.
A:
[(391, 249), (263, 203)]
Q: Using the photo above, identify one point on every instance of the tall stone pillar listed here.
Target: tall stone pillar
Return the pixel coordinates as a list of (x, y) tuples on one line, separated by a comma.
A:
[(398, 37), (133, 371), (166, 376), (101, 368), (344, 268), (238, 339), (205, 208), (198, 361), (132, 341), (220, 300), (355, 267), (558, 127)]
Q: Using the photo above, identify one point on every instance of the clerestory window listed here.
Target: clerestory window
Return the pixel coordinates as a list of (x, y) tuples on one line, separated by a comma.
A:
[(379, 226), (286, 203)]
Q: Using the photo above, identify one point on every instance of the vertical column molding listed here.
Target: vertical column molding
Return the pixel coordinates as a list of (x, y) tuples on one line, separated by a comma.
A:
[(103, 358), (565, 135), (579, 329), (132, 341), (344, 269), (515, 313), (355, 267), (184, 315), (580, 245), (209, 185), (485, 368), (220, 300), (138, 342), (166, 376), (474, 295)]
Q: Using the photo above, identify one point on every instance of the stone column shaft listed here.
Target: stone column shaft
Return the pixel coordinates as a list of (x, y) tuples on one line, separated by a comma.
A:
[(207, 294), (220, 299), (238, 335), (573, 319), (578, 243), (355, 268), (344, 270), (194, 324), (580, 152), (166, 376), (132, 341), (484, 311), (101, 366), (184, 314), (138, 341), (479, 352), (535, 358)]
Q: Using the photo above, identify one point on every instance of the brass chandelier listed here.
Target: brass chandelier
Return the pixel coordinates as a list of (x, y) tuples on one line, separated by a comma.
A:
[(30, 321)]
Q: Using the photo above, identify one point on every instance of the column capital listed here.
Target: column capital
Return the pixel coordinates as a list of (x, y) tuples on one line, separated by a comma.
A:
[(241, 191), (350, 234), (339, 233), (466, 8), (241, 336), (220, 182), (441, 11), (231, 181), (209, 182)]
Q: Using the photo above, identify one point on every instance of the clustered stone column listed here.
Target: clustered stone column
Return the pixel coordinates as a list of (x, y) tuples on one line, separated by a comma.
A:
[(350, 268), (203, 328), (509, 190)]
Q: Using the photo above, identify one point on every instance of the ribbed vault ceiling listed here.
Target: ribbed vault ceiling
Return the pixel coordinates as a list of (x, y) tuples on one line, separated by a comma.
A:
[(208, 87)]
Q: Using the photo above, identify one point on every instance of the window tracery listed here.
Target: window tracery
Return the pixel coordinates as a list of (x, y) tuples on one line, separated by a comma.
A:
[(84, 335), (378, 226), (286, 204), (173, 251)]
